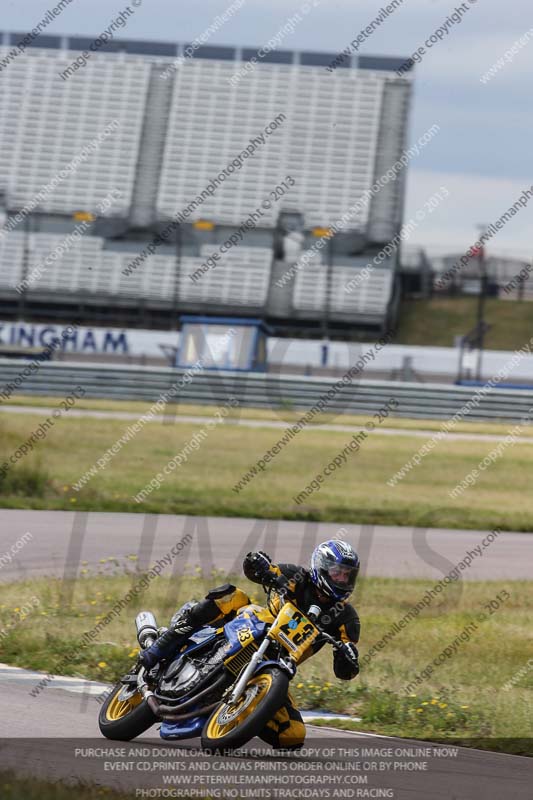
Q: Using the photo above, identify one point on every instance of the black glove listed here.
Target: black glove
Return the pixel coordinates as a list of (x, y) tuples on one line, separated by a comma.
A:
[(349, 652), (256, 566), (281, 583)]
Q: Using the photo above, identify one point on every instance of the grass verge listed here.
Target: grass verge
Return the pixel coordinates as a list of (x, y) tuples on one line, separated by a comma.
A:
[(13, 787), (466, 699), (436, 322), (358, 492), (280, 415)]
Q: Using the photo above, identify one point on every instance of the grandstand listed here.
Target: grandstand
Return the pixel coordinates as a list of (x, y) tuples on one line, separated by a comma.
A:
[(155, 138)]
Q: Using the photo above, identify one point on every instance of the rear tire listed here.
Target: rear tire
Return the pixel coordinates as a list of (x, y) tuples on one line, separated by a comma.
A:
[(218, 737), (124, 721)]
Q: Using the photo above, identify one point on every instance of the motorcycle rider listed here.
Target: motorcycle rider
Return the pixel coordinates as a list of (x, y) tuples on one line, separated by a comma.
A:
[(327, 584)]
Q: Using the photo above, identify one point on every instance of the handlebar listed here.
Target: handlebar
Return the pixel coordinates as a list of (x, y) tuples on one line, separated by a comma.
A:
[(331, 639), (313, 613)]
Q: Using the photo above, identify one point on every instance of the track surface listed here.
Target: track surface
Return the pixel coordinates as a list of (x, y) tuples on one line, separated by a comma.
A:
[(62, 540), (65, 712), (68, 708)]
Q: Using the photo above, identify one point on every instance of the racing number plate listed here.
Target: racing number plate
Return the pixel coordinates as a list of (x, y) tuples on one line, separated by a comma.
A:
[(293, 630), (245, 636)]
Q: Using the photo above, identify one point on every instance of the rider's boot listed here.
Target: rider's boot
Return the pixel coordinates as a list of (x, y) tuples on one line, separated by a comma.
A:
[(169, 641), (220, 604), (187, 620)]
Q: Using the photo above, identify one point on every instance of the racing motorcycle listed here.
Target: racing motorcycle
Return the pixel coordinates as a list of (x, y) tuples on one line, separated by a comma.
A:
[(225, 683)]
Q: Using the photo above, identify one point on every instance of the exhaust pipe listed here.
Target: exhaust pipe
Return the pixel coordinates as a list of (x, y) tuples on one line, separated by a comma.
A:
[(182, 712), (146, 625), (199, 712)]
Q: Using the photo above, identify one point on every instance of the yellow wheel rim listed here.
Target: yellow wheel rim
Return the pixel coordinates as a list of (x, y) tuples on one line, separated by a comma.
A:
[(228, 717), (118, 709)]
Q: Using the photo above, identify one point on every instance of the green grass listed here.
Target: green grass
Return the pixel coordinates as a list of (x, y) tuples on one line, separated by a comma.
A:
[(356, 493), (13, 787), (280, 415), (436, 322), (464, 699)]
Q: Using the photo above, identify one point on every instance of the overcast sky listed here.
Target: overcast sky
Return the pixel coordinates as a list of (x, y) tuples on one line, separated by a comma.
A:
[(483, 152)]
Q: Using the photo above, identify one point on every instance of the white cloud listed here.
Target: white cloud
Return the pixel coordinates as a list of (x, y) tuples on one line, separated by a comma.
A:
[(473, 200)]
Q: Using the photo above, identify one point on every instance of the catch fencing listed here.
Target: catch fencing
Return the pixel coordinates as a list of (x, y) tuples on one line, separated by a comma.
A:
[(262, 390)]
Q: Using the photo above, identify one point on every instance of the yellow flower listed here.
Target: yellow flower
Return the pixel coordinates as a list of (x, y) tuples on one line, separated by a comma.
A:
[(465, 706), (434, 702), (425, 703), (419, 710), (443, 705), (73, 500), (449, 714), (412, 695), (102, 664), (300, 686)]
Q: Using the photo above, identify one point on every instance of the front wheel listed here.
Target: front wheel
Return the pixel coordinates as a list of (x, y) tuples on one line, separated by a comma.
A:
[(231, 726), (124, 719)]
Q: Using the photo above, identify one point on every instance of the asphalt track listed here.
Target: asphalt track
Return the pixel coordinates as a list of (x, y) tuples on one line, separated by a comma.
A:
[(62, 540), (31, 728), (39, 735)]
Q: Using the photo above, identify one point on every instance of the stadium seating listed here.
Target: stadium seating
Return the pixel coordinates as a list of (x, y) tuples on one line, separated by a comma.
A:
[(175, 133), (241, 277), (370, 297), (327, 144), (11, 260), (46, 123)]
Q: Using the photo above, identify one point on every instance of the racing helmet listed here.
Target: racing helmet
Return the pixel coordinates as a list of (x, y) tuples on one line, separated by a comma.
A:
[(334, 569)]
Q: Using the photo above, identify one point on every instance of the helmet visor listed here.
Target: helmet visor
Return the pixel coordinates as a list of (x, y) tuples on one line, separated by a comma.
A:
[(340, 576)]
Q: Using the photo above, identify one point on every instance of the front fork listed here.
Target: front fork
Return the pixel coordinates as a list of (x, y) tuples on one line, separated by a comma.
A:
[(240, 686), (142, 686)]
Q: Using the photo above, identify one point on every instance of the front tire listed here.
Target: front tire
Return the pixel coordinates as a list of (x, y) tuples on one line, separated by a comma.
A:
[(230, 727), (123, 720)]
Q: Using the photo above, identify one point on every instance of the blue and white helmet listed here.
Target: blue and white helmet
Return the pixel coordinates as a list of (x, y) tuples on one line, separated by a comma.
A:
[(334, 569)]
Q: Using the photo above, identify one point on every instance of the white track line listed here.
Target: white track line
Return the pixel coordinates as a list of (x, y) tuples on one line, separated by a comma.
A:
[(258, 423), (10, 674)]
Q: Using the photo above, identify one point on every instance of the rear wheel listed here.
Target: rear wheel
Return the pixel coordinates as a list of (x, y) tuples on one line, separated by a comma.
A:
[(124, 716), (231, 726)]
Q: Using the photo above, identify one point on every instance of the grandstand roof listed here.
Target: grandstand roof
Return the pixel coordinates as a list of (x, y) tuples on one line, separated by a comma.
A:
[(214, 52)]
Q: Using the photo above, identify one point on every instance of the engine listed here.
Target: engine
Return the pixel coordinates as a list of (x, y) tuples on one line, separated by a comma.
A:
[(187, 673)]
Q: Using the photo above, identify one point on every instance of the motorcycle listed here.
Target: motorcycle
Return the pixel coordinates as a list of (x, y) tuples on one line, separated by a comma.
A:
[(224, 684)]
